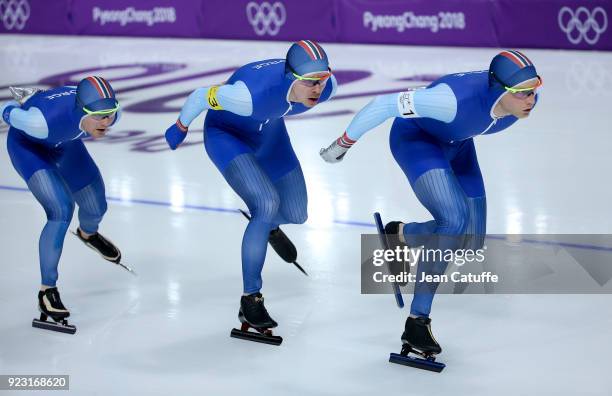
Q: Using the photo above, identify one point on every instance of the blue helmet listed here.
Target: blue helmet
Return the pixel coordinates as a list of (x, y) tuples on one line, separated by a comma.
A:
[(95, 94), (511, 68), (306, 56)]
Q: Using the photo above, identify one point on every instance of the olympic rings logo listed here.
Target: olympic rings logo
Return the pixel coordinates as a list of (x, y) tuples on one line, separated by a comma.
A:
[(266, 18), (14, 13), (580, 24)]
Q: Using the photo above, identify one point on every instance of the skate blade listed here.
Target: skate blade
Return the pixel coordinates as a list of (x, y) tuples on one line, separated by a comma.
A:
[(423, 364), (256, 337), (114, 261), (397, 292), (128, 269), (245, 214), (53, 326), (300, 268)]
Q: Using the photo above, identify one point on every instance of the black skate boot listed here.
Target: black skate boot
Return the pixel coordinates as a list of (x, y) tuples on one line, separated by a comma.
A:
[(417, 334), (393, 239), (253, 315), (418, 339), (100, 244), (282, 245), (50, 305), (103, 247)]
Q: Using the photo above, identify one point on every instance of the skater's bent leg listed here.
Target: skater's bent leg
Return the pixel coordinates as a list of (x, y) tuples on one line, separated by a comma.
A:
[(466, 169), (251, 183), (83, 177), (477, 226), (293, 198), (416, 152), (416, 234), (92, 205), (54, 195), (440, 192), (277, 158)]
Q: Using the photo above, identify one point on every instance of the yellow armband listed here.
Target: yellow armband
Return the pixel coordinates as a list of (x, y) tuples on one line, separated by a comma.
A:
[(212, 98)]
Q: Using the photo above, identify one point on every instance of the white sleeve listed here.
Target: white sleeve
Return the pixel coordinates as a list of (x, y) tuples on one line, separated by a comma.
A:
[(30, 121), (234, 98), (438, 103), (372, 115)]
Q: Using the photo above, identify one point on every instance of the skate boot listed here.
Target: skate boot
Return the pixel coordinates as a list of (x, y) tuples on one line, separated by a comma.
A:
[(282, 245), (418, 339), (253, 315), (50, 306), (101, 245), (393, 239), (417, 334)]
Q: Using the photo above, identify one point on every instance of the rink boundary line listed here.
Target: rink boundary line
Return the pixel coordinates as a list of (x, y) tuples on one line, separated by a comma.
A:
[(205, 208)]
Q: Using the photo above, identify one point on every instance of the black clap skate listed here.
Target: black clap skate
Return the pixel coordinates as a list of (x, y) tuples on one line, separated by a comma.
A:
[(393, 239), (104, 247), (281, 244), (50, 305), (418, 339), (253, 315)]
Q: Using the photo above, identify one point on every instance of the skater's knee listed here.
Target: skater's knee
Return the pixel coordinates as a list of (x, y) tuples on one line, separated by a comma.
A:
[(95, 212), (458, 225), (297, 216), (101, 209), (301, 218), (266, 207), (455, 220), (60, 211)]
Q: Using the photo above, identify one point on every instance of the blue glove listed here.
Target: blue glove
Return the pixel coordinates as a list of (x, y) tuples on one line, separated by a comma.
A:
[(176, 134), (6, 108)]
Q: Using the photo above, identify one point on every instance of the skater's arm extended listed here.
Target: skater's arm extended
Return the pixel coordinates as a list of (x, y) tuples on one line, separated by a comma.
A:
[(30, 121), (234, 98), (438, 102)]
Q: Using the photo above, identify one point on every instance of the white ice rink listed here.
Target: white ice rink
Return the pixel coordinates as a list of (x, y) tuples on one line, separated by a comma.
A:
[(166, 332)]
